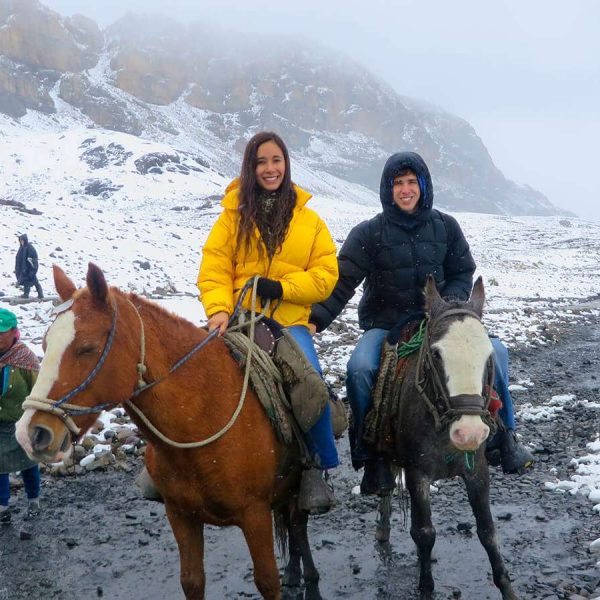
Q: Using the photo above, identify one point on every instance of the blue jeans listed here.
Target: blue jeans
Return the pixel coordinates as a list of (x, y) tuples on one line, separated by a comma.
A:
[(507, 412), (319, 438), (360, 379), (31, 479)]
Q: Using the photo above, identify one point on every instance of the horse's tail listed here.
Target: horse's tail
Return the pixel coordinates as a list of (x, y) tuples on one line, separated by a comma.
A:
[(281, 518)]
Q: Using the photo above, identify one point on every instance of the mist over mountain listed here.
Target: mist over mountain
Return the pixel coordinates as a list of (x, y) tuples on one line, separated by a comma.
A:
[(203, 92)]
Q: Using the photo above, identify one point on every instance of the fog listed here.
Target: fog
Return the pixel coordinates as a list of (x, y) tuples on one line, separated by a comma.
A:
[(526, 75)]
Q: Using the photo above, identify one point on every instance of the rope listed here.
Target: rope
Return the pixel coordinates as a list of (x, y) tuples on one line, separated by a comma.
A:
[(407, 348), (469, 458), (267, 382), (234, 416), (141, 366)]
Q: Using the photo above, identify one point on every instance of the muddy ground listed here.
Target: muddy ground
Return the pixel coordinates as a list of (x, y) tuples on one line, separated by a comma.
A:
[(98, 539)]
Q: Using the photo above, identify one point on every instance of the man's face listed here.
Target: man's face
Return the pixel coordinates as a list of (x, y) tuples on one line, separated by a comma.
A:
[(406, 192)]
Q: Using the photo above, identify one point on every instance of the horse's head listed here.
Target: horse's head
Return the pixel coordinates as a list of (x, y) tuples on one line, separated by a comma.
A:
[(78, 371), (458, 356)]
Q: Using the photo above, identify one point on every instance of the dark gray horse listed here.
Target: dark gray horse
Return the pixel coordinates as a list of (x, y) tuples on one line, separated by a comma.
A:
[(442, 423)]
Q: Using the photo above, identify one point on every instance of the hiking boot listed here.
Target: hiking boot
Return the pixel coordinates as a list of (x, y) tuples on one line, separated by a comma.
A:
[(316, 492), (5, 517), (147, 487), (377, 478), (515, 457)]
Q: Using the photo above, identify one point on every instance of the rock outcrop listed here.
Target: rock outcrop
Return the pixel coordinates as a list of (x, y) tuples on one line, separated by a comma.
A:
[(154, 77)]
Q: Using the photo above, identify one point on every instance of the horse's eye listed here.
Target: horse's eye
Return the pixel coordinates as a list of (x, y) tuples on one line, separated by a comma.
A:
[(436, 354), (86, 350)]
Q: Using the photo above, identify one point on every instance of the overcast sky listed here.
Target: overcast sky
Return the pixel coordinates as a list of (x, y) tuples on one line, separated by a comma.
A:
[(524, 73)]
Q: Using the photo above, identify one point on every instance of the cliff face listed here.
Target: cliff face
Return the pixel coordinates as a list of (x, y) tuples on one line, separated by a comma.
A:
[(154, 77)]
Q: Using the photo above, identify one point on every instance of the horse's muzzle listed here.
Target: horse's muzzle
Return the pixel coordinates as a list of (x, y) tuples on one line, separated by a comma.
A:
[(468, 432)]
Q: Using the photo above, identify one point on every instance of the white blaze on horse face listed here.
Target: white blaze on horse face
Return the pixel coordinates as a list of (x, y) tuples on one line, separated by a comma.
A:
[(59, 337), (465, 350), (21, 431), (60, 334)]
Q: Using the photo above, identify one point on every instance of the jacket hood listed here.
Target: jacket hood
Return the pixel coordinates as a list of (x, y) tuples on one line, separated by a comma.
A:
[(395, 164), (23, 236), (231, 199)]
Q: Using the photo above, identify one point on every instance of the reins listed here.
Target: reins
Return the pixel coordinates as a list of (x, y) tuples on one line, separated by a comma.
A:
[(143, 386), (63, 410)]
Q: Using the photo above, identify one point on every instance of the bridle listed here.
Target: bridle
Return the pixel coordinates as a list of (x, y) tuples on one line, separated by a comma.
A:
[(64, 410), (430, 385), (61, 408)]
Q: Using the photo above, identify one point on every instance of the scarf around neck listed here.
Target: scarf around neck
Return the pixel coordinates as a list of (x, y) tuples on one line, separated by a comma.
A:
[(20, 357)]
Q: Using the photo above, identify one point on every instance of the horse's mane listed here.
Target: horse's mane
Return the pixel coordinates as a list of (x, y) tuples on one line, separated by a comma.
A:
[(177, 325)]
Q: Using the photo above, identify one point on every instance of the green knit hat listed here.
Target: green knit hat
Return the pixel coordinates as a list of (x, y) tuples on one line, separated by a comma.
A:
[(8, 320)]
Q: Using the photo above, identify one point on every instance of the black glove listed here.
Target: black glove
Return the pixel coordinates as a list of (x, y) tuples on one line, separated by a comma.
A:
[(269, 289)]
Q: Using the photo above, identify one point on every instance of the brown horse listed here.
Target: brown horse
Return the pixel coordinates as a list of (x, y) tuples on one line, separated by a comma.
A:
[(441, 424), (107, 348)]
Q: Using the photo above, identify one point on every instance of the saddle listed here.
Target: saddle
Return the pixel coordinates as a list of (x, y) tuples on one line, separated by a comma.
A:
[(291, 391), (379, 421)]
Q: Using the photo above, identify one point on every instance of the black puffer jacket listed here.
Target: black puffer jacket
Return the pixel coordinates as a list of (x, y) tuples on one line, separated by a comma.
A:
[(394, 252)]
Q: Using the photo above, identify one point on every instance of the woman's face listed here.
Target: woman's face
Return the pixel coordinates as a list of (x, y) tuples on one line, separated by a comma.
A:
[(6, 339), (270, 166)]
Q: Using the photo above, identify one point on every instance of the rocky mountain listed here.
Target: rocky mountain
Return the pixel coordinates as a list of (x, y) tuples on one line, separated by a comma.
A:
[(203, 92)]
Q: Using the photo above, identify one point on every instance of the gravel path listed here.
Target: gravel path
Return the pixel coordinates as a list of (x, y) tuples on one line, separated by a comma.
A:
[(97, 538)]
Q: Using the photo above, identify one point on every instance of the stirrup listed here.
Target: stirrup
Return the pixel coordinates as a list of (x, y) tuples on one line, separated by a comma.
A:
[(315, 496)]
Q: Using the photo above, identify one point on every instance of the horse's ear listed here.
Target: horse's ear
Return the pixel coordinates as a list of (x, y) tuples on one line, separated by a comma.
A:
[(434, 303), (64, 286), (477, 298), (96, 283)]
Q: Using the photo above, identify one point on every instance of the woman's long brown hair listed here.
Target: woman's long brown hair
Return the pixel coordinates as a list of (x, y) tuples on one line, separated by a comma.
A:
[(249, 204)]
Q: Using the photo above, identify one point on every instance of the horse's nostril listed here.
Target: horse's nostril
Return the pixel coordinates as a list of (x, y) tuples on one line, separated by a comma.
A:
[(41, 438)]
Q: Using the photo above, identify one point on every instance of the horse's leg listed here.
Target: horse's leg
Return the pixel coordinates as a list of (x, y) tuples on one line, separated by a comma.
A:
[(257, 527), (292, 574), (189, 534), (382, 533), (421, 528), (299, 527), (478, 490)]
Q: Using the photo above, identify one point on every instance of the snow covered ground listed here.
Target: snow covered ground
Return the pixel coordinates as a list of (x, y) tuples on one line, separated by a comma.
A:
[(147, 234)]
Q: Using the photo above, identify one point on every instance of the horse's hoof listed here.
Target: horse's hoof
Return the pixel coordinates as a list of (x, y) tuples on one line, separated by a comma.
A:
[(382, 535), (312, 592), (291, 593)]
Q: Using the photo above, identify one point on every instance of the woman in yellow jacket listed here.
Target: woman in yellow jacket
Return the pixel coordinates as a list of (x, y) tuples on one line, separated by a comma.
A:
[(266, 229)]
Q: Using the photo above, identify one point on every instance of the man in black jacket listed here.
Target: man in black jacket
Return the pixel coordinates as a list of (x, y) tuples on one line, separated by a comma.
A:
[(393, 253), (26, 267)]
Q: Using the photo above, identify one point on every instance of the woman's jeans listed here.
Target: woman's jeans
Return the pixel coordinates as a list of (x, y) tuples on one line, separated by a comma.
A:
[(31, 479), (360, 379), (319, 438)]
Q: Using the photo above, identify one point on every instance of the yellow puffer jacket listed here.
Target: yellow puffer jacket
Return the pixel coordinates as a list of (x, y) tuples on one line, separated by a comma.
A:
[(306, 264)]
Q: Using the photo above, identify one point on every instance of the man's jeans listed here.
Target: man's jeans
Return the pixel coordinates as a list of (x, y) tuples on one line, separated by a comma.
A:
[(319, 438), (360, 379)]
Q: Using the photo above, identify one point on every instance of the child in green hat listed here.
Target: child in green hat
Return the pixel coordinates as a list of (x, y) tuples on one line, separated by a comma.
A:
[(18, 371)]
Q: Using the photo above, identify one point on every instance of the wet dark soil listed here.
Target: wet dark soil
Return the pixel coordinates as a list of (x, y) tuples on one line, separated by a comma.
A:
[(98, 539)]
